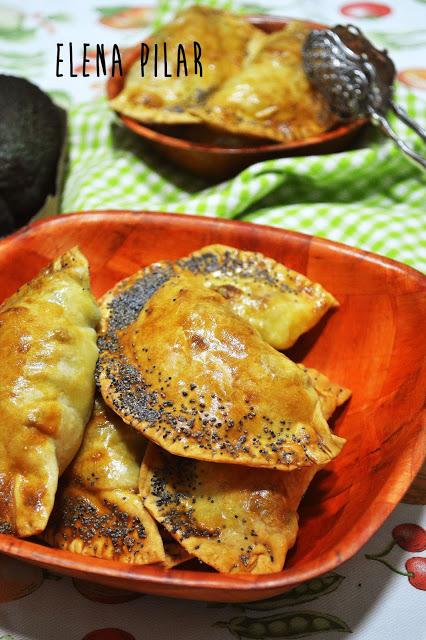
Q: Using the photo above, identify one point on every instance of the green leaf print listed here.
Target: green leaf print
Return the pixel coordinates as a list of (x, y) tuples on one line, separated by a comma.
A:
[(294, 624), (12, 24), (59, 17), (107, 12), (305, 592), (398, 39), (252, 7), (21, 33), (17, 56), (22, 63)]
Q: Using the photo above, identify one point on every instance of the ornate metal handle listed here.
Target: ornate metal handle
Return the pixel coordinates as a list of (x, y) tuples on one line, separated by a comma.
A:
[(384, 125)]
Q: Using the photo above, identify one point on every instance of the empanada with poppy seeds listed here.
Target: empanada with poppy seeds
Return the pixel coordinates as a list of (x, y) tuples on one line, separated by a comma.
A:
[(98, 511), (47, 360), (236, 519), (277, 301), (226, 41), (178, 364)]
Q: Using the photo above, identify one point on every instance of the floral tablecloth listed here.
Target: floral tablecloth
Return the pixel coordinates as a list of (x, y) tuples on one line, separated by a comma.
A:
[(379, 594)]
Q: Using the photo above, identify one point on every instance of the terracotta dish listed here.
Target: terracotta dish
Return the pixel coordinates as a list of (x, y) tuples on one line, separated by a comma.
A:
[(182, 145), (371, 345)]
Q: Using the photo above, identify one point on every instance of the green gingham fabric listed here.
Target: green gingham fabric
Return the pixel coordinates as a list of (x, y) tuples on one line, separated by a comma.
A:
[(371, 197)]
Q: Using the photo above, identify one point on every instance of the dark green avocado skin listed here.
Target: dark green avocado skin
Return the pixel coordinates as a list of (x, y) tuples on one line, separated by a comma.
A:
[(32, 134)]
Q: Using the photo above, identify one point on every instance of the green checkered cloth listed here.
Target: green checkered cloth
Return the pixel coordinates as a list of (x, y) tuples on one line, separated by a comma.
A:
[(371, 197)]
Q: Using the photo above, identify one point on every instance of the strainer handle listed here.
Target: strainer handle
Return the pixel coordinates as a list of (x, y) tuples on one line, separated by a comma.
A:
[(384, 125), (403, 115)]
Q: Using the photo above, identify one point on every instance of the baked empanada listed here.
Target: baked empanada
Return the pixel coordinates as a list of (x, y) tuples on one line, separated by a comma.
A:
[(175, 553), (236, 519), (47, 359), (226, 41), (99, 511), (271, 96), (181, 366), (331, 395), (277, 301)]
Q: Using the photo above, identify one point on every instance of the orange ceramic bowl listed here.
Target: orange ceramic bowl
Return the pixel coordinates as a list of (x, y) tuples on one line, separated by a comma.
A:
[(370, 344), (219, 162)]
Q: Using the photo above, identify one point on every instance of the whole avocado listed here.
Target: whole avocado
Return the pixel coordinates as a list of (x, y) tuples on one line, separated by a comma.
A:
[(32, 135)]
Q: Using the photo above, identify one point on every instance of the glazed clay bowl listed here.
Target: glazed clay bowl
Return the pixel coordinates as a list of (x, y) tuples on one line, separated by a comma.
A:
[(215, 162), (370, 344)]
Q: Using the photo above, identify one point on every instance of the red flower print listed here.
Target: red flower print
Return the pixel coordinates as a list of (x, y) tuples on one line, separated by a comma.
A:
[(365, 10), (109, 634)]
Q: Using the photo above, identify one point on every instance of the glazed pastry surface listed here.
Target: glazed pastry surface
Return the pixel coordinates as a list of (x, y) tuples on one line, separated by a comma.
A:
[(226, 42), (277, 301), (99, 511), (271, 96), (47, 359), (236, 519), (178, 364)]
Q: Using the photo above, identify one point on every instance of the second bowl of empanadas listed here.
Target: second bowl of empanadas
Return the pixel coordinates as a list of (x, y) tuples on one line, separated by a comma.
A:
[(199, 130)]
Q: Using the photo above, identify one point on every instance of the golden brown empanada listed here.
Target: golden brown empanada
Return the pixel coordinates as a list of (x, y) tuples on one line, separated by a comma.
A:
[(99, 511), (178, 364), (277, 301), (174, 552), (47, 359), (226, 41), (271, 96), (236, 519), (331, 395)]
